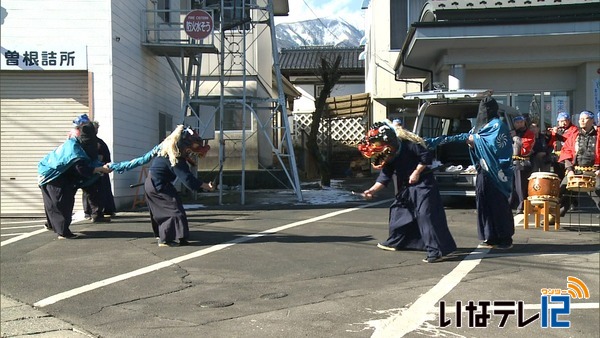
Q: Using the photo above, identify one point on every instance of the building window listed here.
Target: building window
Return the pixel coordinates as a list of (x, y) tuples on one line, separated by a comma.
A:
[(542, 107), (233, 119), (554, 103), (163, 7), (165, 125), (318, 89), (236, 14), (398, 24)]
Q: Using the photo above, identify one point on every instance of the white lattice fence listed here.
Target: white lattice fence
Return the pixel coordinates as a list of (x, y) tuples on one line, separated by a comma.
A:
[(347, 131)]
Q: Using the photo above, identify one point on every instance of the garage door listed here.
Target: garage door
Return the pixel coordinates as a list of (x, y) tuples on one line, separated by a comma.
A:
[(36, 113)]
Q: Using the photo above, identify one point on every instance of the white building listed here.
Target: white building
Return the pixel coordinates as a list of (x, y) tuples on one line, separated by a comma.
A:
[(540, 56), (65, 58)]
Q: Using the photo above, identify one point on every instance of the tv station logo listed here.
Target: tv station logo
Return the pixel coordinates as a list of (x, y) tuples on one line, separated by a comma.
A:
[(555, 305)]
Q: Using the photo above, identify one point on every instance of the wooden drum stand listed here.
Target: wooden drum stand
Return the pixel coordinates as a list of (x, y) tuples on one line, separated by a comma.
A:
[(539, 207)]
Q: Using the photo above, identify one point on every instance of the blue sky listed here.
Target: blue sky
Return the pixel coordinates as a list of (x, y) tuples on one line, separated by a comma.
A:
[(348, 10)]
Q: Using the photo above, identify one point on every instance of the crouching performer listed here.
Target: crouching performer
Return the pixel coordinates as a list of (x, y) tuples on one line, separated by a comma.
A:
[(417, 219), (171, 158), (63, 171)]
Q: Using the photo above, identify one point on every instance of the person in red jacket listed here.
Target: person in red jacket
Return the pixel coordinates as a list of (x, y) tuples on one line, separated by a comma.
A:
[(523, 140), (581, 155), (557, 137)]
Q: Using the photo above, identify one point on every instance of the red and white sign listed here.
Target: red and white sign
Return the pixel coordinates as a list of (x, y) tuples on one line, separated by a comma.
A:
[(198, 24)]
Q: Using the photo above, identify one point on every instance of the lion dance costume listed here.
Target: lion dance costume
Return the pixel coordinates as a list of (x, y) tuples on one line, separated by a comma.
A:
[(417, 219), (171, 158)]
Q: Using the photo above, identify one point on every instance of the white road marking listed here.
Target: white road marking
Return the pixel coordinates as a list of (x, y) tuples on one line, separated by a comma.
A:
[(77, 217), (14, 234), (86, 288), (412, 318), (23, 236), (23, 227), (404, 321), (18, 222)]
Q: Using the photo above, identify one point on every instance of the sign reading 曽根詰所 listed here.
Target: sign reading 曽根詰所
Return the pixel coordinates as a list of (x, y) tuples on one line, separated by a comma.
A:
[(50, 57)]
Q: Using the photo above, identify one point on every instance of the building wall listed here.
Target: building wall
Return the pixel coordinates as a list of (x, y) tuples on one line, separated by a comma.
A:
[(547, 70), (44, 26), (588, 76), (142, 85), (380, 79), (128, 86)]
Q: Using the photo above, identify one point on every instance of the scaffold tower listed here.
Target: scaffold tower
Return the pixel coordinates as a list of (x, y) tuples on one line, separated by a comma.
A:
[(232, 88)]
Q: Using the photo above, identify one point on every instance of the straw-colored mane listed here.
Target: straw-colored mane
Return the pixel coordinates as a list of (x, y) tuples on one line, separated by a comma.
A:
[(404, 134), (169, 145)]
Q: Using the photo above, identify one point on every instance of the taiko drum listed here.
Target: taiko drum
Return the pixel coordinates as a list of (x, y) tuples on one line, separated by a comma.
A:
[(581, 183), (543, 186)]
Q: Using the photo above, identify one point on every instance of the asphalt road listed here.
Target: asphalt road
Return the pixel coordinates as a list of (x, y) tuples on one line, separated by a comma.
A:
[(296, 272)]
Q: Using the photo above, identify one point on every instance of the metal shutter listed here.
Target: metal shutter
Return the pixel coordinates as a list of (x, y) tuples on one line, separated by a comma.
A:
[(36, 113)]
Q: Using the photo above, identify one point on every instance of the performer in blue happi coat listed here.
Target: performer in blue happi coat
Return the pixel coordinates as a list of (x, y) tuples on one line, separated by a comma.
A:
[(417, 219), (490, 147), (64, 170)]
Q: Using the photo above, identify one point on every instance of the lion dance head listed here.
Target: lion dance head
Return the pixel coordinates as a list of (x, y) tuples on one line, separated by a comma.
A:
[(380, 144), (183, 143)]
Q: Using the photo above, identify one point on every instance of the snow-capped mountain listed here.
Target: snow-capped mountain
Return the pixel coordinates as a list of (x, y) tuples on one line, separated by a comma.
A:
[(318, 32)]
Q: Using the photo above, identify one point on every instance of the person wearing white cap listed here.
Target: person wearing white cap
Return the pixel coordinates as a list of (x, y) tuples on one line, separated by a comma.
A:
[(581, 155), (558, 135)]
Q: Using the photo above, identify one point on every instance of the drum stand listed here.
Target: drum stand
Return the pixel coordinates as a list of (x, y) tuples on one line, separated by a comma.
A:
[(579, 191), (545, 208)]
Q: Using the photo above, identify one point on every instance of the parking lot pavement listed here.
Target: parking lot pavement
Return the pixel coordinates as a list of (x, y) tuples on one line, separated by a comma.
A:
[(285, 271)]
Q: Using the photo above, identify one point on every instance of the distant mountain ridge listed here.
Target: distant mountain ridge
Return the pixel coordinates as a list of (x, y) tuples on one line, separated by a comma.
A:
[(318, 32)]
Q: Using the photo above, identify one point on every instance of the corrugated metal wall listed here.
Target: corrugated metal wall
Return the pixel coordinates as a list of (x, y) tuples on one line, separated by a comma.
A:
[(36, 113)]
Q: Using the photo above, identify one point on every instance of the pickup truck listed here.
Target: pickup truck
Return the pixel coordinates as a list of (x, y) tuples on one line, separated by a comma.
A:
[(437, 113)]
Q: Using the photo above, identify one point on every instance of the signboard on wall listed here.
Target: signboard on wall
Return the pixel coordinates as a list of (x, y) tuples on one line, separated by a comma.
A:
[(560, 103), (43, 57), (198, 24)]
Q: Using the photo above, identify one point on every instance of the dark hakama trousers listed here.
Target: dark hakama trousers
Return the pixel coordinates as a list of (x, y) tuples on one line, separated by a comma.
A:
[(166, 209), (104, 201), (418, 220), (495, 223), (59, 199)]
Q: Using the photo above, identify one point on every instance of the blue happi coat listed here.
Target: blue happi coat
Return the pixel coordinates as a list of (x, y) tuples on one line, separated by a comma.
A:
[(62, 159), (492, 152), (121, 167)]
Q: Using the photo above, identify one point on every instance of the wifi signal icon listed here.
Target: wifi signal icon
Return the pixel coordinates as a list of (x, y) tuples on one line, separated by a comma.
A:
[(577, 288)]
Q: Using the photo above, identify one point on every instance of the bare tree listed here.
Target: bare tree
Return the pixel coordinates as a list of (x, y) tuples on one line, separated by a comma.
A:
[(329, 75)]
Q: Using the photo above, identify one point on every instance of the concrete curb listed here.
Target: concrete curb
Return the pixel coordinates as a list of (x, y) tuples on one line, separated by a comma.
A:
[(19, 319)]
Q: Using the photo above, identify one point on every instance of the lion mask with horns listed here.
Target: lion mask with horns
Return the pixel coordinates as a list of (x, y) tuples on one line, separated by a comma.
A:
[(381, 144)]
